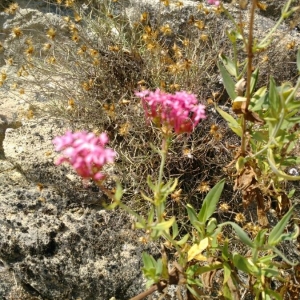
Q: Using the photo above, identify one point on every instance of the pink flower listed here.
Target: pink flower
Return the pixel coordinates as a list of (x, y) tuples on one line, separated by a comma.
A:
[(213, 2), (179, 111), (85, 152)]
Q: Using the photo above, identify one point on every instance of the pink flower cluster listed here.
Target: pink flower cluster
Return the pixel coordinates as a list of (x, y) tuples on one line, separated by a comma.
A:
[(213, 2), (179, 111), (85, 152)]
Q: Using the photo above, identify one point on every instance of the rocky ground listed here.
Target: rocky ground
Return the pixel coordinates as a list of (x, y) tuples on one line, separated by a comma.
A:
[(56, 242)]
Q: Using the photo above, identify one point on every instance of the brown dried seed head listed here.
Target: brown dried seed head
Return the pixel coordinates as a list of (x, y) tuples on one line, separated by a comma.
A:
[(203, 187), (17, 32), (75, 37), (179, 4), (67, 19), (144, 17), (114, 48), (240, 218), (47, 46), (224, 207), (29, 50), (51, 33), (204, 37), (77, 17), (165, 2), (51, 60), (124, 129), (69, 3), (93, 52), (3, 76), (199, 24), (13, 7), (165, 29)]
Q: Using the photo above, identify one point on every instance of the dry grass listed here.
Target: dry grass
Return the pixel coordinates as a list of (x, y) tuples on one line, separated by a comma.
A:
[(88, 66)]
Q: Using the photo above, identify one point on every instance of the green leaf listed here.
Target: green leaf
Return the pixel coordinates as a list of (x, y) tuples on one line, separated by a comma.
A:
[(291, 193), (253, 81), (228, 82), (260, 238), (269, 272), (244, 238), (274, 294), (293, 104), (258, 104), (119, 192), (294, 120), (267, 259), (193, 292), (214, 236), (148, 261), (260, 92), (192, 214), (151, 215), (227, 272), (159, 268), (274, 99), (243, 264), (226, 293), (260, 136), (151, 185), (210, 202), (147, 198), (276, 171), (233, 36), (275, 234), (139, 225), (208, 268), (183, 240), (164, 226), (298, 60), (174, 230), (229, 65), (225, 251), (233, 124), (211, 226), (199, 226)]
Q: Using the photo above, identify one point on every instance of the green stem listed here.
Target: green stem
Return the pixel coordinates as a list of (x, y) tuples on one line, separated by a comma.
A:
[(282, 17), (157, 197), (230, 17), (163, 154), (254, 255)]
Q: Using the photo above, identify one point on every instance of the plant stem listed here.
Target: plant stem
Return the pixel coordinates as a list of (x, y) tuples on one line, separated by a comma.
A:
[(249, 73), (163, 154), (143, 295), (157, 198), (282, 17)]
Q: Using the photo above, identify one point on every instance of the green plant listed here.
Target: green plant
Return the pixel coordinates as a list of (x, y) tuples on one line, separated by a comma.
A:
[(202, 251), (267, 122)]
